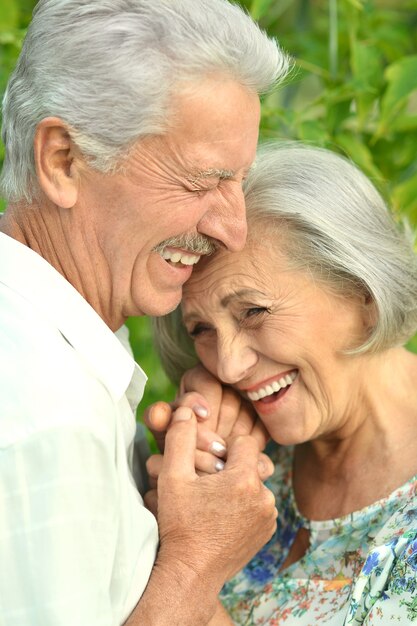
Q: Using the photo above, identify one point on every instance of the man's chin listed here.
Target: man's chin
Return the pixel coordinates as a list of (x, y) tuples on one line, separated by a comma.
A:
[(163, 308)]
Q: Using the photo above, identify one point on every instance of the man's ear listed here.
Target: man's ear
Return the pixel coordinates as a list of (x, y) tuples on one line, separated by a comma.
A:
[(55, 161)]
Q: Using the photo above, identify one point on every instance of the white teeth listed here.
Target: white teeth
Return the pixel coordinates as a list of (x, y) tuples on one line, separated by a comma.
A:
[(273, 387), (180, 257)]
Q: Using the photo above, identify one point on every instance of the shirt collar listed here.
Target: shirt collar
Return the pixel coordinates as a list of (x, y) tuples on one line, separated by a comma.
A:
[(28, 274)]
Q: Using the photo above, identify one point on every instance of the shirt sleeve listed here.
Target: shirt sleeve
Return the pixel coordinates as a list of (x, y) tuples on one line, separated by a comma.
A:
[(58, 528)]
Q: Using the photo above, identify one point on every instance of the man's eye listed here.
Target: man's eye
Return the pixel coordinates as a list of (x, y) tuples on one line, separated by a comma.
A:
[(204, 189)]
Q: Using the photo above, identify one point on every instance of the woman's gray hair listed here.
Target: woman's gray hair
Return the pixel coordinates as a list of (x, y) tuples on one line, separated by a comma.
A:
[(330, 221), (109, 69)]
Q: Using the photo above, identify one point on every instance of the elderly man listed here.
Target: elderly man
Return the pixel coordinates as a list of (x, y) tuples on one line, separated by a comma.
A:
[(129, 126)]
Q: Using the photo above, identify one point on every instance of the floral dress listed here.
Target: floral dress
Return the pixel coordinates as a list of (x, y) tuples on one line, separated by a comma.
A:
[(360, 569)]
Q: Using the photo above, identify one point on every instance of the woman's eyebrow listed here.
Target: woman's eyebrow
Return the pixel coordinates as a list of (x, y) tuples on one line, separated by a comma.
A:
[(241, 293), (190, 317)]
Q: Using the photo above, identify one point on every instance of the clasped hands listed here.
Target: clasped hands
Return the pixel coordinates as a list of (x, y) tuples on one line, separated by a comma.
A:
[(212, 518)]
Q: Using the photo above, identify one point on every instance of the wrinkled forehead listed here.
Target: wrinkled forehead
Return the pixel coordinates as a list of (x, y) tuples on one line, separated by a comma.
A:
[(216, 279)]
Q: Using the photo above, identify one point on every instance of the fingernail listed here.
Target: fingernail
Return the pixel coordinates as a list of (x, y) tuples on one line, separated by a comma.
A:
[(182, 414), (219, 465), (217, 448), (201, 411)]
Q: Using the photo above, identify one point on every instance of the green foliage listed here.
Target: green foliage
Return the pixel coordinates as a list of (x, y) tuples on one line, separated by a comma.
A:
[(354, 86), (353, 89)]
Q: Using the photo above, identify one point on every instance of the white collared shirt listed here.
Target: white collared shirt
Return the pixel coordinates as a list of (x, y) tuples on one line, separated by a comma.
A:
[(76, 544)]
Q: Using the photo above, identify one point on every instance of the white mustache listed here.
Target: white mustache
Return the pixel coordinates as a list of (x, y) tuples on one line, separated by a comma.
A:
[(198, 244)]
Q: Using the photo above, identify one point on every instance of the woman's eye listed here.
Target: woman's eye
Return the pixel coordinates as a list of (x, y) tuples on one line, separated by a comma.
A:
[(253, 316), (198, 329), (255, 310)]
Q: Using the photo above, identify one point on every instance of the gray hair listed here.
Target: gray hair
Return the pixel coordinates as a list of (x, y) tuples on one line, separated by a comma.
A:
[(109, 69), (336, 226)]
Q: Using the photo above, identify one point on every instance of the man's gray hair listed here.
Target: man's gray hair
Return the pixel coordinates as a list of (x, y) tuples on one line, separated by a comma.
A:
[(110, 68), (330, 221)]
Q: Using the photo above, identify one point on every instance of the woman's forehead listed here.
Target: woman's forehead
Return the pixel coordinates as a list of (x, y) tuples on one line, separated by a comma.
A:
[(227, 268)]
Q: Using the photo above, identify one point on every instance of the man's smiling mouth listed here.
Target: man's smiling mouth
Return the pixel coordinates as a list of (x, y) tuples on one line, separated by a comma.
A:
[(177, 257)]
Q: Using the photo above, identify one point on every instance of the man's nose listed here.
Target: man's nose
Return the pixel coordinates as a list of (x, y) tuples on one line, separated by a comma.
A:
[(226, 221), (235, 360)]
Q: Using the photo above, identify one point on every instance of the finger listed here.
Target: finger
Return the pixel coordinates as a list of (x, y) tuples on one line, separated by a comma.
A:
[(151, 501), (229, 413), (265, 467), (260, 433), (157, 416), (243, 453), (246, 420), (154, 465), (153, 482), (195, 401), (180, 445), (200, 380), (208, 441), (207, 463)]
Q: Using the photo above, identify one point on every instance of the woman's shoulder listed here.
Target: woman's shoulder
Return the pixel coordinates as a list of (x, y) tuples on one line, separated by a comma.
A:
[(386, 588)]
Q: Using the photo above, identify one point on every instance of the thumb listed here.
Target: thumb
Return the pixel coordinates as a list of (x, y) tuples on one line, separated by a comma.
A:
[(180, 444), (157, 416)]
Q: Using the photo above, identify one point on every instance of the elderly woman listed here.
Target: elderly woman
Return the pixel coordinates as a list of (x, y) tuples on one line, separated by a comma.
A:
[(308, 325)]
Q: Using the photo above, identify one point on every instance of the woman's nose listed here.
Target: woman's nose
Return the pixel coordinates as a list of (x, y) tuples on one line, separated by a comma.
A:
[(235, 360)]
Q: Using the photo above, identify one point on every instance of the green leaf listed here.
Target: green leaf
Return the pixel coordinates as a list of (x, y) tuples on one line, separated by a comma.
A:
[(9, 15), (312, 130), (359, 152), (259, 8), (404, 123), (404, 197), (412, 344), (366, 65), (356, 4), (401, 77)]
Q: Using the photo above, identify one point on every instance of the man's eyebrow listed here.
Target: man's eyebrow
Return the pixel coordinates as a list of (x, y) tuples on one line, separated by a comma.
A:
[(212, 172)]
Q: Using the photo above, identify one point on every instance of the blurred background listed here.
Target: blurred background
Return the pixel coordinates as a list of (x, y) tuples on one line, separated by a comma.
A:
[(353, 89)]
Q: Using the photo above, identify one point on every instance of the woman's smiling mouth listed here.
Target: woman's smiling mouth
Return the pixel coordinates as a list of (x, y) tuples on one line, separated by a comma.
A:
[(272, 387)]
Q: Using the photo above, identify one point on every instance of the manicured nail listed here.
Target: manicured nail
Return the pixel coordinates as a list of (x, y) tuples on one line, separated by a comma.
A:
[(219, 465), (201, 411), (217, 448), (182, 414)]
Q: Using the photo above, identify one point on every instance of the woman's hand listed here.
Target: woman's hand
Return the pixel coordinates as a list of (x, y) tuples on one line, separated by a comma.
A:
[(223, 415), (219, 407)]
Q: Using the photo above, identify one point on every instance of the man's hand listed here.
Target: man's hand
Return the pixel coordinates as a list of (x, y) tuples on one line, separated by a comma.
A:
[(211, 524)]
